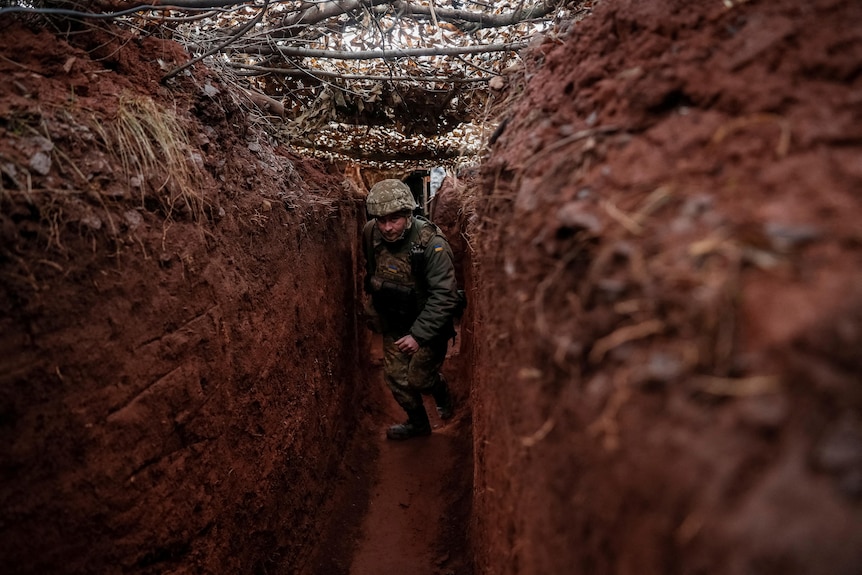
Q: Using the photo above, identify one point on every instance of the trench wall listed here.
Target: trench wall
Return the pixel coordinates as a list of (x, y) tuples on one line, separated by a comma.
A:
[(161, 412), (176, 376), (666, 276)]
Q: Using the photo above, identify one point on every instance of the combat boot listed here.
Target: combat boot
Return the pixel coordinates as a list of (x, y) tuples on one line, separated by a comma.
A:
[(417, 425), (443, 399)]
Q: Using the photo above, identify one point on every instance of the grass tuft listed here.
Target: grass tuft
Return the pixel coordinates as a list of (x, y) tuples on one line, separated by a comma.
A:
[(154, 151)]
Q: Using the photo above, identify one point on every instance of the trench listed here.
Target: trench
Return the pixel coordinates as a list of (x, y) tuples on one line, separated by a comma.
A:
[(215, 428), (667, 333), (190, 391), (400, 507)]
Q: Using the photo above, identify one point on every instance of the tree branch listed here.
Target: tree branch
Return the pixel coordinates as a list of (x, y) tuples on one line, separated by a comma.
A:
[(483, 19), (266, 49), (324, 74), (233, 38), (324, 10), (194, 4)]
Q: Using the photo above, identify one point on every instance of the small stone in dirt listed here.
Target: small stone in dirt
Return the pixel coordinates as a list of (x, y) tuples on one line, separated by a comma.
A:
[(92, 222), (611, 288), (43, 144), (662, 368), (41, 163), (573, 216), (196, 161), (210, 90), (9, 169), (696, 205), (785, 237), (133, 219)]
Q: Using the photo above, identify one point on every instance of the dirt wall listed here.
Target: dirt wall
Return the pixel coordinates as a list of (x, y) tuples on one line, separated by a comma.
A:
[(667, 256), (177, 364)]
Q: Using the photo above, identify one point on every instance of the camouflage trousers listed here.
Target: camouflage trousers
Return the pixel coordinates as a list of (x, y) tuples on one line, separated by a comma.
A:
[(410, 376)]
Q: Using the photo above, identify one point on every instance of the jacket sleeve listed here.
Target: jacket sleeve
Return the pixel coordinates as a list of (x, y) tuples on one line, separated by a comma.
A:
[(435, 319)]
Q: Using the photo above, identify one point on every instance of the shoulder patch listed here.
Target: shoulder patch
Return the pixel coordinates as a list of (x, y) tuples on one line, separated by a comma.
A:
[(438, 248), (426, 232)]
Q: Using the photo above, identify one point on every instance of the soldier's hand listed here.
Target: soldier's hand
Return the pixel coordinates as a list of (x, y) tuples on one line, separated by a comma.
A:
[(407, 345)]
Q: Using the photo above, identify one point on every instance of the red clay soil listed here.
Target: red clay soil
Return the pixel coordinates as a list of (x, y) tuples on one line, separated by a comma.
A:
[(668, 278), (659, 363), (417, 510), (184, 385), (398, 507), (179, 373)]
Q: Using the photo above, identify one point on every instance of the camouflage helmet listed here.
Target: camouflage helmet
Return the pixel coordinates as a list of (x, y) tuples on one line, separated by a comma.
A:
[(389, 196)]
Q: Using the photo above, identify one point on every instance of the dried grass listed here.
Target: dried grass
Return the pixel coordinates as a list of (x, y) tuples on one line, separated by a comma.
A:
[(152, 146)]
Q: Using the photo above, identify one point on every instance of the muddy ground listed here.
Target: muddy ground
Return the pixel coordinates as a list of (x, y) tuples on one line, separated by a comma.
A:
[(658, 371)]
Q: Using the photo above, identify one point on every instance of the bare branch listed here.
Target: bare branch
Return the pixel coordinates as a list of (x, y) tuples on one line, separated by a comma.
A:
[(248, 26), (324, 74), (324, 10), (482, 19), (197, 4), (383, 54), (264, 102)]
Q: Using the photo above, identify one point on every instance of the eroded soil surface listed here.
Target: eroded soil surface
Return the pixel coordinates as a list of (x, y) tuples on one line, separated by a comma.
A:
[(668, 268), (180, 360), (659, 367), (184, 386)]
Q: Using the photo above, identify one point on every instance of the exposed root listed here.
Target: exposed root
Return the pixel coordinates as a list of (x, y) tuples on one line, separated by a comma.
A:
[(742, 387), (606, 426), (622, 218), (539, 434), (563, 346), (781, 147), (624, 335)]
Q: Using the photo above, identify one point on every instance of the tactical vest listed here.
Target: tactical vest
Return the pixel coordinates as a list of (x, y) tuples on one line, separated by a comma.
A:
[(394, 278), (396, 275), (405, 265)]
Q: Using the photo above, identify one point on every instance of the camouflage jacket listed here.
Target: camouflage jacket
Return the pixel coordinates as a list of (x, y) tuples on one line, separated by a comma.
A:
[(412, 281)]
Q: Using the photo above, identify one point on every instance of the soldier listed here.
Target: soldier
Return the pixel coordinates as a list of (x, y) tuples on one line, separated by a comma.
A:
[(410, 277)]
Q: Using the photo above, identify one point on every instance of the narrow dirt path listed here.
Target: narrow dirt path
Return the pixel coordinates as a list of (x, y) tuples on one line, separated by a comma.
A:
[(400, 507), (415, 522), (407, 509)]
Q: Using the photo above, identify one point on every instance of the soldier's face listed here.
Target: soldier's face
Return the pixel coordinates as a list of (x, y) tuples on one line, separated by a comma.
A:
[(392, 226)]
